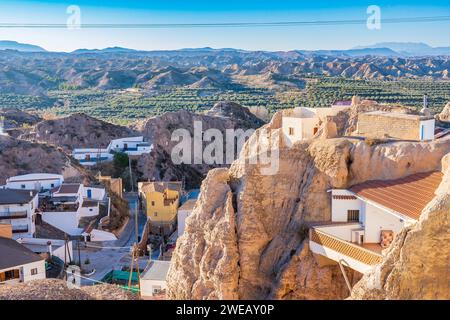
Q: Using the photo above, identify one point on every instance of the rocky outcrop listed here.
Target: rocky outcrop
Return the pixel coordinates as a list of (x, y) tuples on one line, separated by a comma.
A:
[(158, 164), (416, 264), (444, 116), (22, 157), (271, 215), (53, 289), (76, 131)]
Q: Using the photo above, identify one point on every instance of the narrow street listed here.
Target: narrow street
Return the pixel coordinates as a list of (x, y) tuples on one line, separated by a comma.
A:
[(109, 255)]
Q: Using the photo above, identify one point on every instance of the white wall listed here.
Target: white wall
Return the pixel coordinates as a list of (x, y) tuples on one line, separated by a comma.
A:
[(89, 211), (97, 193), (343, 232), (35, 181), (339, 207), (25, 270), (28, 221), (428, 129), (181, 217), (147, 286), (377, 219), (100, 235), (65, 221)]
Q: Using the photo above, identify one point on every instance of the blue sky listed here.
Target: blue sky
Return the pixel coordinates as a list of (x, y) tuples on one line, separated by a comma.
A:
[(263, 38)]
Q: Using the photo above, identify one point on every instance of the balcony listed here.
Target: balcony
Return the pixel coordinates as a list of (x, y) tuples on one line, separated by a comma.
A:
[(13, 215), (360, 258), (20, 229)]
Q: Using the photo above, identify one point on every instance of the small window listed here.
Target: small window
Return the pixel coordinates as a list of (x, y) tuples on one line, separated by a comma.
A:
[(23, 186), (291, 131), (52, 185), (153, 203), (155, 214), (353, 215), (34, 271)]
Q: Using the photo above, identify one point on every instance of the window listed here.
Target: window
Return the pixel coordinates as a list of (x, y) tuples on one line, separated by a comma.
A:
[(155, 214), (153, 203), (52, 185), (34, 271), (291, 131), (352, 215), (23, 186)]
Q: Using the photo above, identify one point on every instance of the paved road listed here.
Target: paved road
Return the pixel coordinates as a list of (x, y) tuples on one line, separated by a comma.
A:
[(113, 254)]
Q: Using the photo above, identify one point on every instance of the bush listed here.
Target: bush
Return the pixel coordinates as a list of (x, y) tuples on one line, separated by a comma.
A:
[(374, 141)]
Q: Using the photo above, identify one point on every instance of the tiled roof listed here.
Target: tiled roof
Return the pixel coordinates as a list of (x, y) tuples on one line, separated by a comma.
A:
[(10, 196), (407, 196), (161, 186)]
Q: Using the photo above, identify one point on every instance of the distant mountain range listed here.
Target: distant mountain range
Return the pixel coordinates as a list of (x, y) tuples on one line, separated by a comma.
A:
[(383, 49), (13, 45)]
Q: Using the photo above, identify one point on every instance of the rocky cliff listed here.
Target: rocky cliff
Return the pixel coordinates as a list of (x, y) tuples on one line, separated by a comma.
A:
[(416, 265), (22, 157), (247, 235)]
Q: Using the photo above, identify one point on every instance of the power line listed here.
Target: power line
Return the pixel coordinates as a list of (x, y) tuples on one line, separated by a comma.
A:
[(224, 25)]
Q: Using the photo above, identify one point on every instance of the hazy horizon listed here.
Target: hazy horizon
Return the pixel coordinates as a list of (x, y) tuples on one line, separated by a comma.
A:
[(273, 38)]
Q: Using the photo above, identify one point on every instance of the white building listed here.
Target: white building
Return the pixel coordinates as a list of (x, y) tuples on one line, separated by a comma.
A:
[(92, 156), (183, 212), (303, 123), (54, 247), (19, 264), (69, 204), (153, 280), (133, 146), (17, 208), (366, 218), (35, 181)]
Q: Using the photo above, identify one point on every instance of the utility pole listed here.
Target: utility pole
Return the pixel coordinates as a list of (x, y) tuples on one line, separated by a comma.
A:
[(136, 221), (131, 174), (79, 254)]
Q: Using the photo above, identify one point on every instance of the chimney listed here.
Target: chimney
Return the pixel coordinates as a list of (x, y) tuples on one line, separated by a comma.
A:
[(425, 101), (50, 249), (31, 193)]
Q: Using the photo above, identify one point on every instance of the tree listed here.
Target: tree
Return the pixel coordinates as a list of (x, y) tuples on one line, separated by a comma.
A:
[(120, 160)]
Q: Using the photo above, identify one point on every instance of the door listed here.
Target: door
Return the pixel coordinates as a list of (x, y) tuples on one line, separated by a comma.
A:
[(89, 193), (125, 146)]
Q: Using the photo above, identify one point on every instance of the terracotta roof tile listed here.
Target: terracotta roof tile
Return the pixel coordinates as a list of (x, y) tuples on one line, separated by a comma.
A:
[(407, 196)]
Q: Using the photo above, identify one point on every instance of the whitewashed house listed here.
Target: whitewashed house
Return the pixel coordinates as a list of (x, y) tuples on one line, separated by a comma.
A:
[(184, 212), (133, 146), (18, 263), (303, 123), (53, 247), (366, 218), (69, 204), (153, 280), (35, 181), (17, 208)]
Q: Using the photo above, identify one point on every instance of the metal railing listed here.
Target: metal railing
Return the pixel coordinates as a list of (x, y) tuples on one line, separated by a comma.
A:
[(13, 215)]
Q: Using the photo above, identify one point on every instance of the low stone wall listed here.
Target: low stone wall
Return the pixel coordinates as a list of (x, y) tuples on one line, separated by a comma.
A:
[(379, 126)]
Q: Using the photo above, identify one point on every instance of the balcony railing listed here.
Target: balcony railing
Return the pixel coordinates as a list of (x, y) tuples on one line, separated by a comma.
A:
[(20, 229), (13, 215), (344, 247)]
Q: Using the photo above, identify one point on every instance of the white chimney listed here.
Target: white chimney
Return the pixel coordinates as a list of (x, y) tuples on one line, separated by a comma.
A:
[(50, 249), (425, 101)]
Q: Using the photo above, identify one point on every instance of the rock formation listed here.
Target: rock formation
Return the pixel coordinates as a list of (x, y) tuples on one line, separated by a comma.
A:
[(53, 289), (247, 235), (444, 116), (416, 265)]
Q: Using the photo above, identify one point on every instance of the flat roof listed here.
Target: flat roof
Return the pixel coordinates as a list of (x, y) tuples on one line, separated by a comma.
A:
[(407, 196), (69, 188), (14, 254), (157, 271), (35, 176), (12, 196), (398, 115)]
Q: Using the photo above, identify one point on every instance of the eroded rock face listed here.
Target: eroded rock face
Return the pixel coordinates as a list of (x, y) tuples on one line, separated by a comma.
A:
[(266, 250), (444, 116), (417, 263)]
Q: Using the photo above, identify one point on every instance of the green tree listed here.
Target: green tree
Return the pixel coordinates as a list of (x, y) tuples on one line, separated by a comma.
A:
[(120, 161)]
